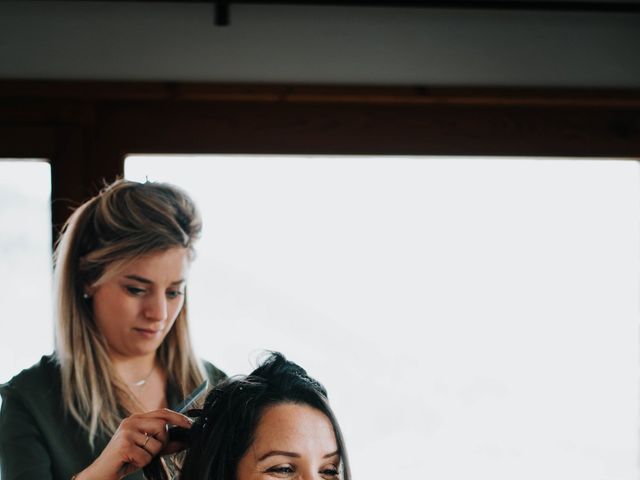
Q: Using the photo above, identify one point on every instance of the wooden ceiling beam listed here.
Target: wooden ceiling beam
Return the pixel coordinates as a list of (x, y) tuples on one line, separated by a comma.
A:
[(52, 91)]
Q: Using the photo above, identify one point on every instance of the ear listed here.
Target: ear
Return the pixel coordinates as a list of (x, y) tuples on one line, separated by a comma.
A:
[(88, 291)]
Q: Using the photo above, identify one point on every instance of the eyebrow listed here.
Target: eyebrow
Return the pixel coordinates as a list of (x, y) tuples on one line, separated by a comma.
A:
[(140, 279), (332, 454), (278, 452), (291, 454)]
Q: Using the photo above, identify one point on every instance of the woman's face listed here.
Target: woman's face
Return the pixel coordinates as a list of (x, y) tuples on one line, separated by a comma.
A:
[(292, 442), (136, 307)]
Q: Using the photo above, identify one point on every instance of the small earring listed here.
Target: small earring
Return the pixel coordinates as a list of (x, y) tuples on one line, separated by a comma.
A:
[(85, 295)]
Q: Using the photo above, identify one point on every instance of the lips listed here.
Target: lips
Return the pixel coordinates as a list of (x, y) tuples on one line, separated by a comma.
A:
[(148, 332)]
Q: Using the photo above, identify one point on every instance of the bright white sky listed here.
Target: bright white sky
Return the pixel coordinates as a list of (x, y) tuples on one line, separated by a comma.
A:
[(471, 318), (26, 329)]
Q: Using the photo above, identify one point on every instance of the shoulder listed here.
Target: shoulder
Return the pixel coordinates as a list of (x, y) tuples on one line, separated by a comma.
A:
[(41, 379), (31, 399), (37, 438), (214, 374)]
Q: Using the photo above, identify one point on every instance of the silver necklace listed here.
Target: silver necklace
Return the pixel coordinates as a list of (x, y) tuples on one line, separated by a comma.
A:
[(143, 382)]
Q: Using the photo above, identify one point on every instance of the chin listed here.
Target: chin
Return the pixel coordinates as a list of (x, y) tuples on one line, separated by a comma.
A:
[(140, 350)]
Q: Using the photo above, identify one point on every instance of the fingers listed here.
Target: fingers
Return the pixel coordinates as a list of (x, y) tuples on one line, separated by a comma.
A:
[(169, 416), (141, 449), (137, 457), (156, 422), (149, 443), (145, 435), (138, 439), (155, 427)]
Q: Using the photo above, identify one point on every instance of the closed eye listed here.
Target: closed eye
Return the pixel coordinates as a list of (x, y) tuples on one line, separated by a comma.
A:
[(330, 473), (135, 290), (281, 469)]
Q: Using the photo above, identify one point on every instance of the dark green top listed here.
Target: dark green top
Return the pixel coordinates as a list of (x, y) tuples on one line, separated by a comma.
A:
[(37, 440)]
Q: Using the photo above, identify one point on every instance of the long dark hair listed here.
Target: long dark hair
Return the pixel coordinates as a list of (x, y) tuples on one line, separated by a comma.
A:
[(224, 428)]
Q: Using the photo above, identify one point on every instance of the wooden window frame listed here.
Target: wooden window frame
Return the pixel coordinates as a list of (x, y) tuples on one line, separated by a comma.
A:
[(86, 129)]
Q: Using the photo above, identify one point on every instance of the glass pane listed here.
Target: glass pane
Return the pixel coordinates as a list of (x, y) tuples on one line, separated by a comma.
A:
[(471, 317), (25, 256)]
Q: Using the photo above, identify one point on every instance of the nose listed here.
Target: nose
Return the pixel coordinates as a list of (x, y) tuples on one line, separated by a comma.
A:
[(155, 308)]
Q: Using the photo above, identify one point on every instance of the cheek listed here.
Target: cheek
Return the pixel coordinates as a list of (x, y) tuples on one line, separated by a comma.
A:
[(111, 311)]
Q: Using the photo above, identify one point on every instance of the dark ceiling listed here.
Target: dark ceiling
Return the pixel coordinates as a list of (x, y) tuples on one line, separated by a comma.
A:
[(550, 5)]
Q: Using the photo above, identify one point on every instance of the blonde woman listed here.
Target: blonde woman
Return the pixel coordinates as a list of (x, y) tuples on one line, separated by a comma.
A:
[(98, 408)]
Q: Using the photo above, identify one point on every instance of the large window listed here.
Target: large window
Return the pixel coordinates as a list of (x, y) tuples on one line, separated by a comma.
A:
[(470, 317), (25, 257)]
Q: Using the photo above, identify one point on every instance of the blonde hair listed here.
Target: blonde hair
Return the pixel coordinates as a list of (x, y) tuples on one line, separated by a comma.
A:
[(124, 221)]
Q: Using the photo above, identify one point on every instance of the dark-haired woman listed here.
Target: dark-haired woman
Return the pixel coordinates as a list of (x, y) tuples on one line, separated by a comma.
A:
[(275, 423)]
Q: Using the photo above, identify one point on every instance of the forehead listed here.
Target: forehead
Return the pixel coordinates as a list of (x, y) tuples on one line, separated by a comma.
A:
[(167, 265), (295, 428)]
